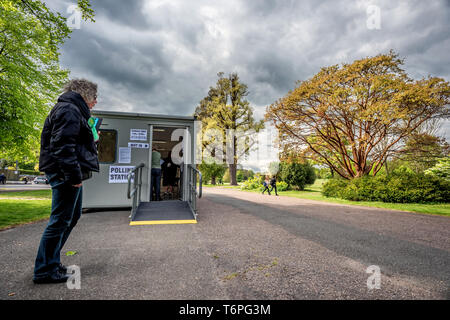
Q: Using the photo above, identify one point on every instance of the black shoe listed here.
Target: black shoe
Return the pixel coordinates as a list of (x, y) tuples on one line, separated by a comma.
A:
[(62, 268), (57, 277)]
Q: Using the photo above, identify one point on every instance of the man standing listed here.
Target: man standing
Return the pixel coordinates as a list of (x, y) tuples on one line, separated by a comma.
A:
[(155, 182), (68, 156)]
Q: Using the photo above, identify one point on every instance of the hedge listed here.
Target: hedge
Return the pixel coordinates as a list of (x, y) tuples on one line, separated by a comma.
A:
[(402, 186)]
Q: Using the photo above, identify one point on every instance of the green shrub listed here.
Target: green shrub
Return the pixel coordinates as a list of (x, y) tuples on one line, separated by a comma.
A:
[(402, 186), (310, 174), (251, 184), (441, 169), (297, 174), (282, 186), (333, 187)]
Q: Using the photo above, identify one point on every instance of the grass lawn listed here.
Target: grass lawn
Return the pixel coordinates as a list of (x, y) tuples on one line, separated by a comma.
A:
[(17, 208), (43, 194), (313, 192)]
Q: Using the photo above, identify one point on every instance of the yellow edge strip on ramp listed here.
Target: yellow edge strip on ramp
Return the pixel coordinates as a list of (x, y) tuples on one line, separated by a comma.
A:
[(142, 223)]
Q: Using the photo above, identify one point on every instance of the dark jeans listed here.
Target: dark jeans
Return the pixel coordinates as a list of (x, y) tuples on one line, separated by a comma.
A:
[(274, 186), (266, 188), (155, 183), (66, 210)]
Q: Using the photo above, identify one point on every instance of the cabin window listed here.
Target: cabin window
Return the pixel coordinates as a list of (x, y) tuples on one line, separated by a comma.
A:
[(107, 146)]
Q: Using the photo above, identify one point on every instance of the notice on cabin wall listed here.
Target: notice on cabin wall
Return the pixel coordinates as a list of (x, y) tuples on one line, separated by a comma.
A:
[(124, 155), (138, 145), (119, 174), (138, 134)]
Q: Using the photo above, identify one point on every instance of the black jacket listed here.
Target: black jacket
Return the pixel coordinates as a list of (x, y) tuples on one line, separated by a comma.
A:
[(273, 182), (67, 143)]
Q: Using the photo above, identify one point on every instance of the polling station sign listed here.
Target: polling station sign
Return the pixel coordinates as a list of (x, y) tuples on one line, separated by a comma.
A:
[(119, 174), (138, 134)]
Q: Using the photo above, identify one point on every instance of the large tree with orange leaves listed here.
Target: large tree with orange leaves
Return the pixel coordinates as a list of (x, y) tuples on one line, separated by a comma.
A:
[(352, 117)]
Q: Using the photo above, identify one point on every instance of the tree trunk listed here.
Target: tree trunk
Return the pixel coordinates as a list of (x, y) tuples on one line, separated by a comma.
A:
[(233, 180), (213, 180)]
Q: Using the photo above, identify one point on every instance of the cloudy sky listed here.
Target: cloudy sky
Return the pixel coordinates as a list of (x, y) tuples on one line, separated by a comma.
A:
[(158, 56)]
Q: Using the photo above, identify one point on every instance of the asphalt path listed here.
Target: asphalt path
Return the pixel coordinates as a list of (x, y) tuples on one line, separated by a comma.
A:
[(245, 246)]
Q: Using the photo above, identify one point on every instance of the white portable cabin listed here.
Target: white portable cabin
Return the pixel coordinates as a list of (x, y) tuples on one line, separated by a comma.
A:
[(125, 157)]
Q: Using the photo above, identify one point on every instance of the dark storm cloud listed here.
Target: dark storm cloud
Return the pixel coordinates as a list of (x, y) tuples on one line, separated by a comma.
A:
[(127, 13), (140, 67), (162, 56), (289, 41), (271, 68), (269, 7)]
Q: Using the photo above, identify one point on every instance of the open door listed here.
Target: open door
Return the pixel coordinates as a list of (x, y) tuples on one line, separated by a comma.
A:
[(169, 143), (174, 145)]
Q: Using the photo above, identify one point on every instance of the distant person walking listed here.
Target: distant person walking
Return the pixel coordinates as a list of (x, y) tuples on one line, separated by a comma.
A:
[(68, 156), (2, 178), (266, 186), (155, 182), (273, 184)]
